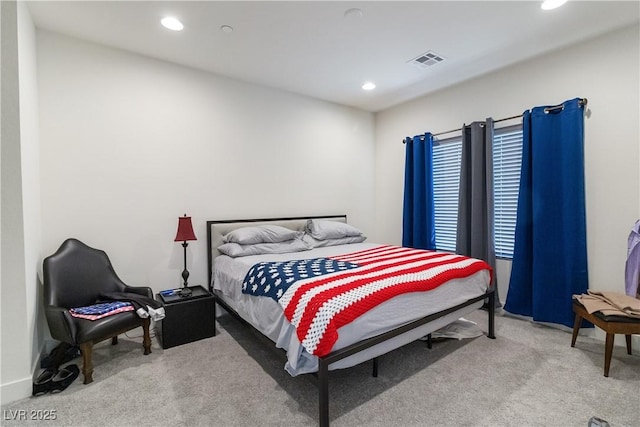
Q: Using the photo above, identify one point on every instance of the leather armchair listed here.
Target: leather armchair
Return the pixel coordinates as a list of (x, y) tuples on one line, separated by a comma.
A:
[(74, 276)]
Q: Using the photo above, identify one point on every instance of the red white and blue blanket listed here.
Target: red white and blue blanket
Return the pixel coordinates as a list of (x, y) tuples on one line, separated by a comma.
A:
[(100, 310), (321, 295)]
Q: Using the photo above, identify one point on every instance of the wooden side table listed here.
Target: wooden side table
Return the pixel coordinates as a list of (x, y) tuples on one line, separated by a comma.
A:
[(187, 319), (611, 325)]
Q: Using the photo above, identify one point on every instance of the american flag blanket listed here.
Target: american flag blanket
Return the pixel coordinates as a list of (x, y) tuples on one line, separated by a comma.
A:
[(98, 311), (321, 295)]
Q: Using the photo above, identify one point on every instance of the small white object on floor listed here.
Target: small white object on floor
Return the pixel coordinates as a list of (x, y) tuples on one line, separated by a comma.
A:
[(461, 328)]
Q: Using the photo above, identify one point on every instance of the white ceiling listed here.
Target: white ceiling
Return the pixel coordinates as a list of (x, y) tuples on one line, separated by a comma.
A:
[(312, 48)]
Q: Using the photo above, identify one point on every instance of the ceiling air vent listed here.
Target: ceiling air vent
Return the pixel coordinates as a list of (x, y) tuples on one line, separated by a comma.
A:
[(427, 59)]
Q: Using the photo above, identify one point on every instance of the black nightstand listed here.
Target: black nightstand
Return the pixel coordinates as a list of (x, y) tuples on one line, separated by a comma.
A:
[(187, 319)]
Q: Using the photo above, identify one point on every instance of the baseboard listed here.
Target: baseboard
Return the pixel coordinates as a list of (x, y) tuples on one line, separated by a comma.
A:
[(595, 333), (19, 389), (619, 340), (16, 390)]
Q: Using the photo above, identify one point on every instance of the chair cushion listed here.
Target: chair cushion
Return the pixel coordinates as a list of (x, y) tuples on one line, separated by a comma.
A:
[(90, 330)]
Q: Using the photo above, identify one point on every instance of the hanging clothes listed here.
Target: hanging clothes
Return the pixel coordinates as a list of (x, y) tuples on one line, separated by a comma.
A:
[(632, 266)]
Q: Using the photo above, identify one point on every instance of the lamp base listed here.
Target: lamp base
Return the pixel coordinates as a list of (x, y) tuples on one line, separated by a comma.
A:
[(185, 292)]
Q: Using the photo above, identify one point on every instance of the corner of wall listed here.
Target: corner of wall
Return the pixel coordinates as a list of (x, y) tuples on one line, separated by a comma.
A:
[(20, 214)]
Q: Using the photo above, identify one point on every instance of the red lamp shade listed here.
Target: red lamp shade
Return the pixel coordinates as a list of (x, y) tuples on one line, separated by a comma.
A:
[(185, 229)]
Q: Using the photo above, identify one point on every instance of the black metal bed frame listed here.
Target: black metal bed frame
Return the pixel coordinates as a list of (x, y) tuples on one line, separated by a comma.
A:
[(335, 356)]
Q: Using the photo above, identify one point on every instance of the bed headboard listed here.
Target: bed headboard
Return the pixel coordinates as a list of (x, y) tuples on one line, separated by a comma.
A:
[(217, 229)]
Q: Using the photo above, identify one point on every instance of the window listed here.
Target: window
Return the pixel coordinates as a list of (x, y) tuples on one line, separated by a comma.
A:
[(507, 154), (447, 155)]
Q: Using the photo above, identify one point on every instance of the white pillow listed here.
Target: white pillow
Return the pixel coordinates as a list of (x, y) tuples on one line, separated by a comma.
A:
[(237, 250), (260, 234), (315, 243), (323, 229)]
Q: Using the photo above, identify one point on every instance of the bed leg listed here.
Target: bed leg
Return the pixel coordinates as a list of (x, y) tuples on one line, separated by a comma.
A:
[(492, 316), (429, 342), (375, 367), (323, 393)]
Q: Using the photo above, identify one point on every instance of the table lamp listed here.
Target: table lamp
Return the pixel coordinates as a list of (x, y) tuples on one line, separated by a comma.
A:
[(185, 233)]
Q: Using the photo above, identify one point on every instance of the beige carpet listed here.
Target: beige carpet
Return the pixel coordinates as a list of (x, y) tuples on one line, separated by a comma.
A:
[(528, 376)]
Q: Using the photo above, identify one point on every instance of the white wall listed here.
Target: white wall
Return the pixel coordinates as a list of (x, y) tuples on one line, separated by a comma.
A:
[(130, 143), (30, 157), (606, 71), (22, 320)]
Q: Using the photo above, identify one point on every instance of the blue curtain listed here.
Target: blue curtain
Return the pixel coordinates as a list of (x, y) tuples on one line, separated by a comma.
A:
[(418, 218), (550, 248)]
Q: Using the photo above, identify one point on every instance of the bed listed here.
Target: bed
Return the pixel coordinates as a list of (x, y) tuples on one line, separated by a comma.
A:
[(386, 326)]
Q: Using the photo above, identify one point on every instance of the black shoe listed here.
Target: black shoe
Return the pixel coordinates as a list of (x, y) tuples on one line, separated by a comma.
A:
[(64, 378), (63, 353), (42, 384)]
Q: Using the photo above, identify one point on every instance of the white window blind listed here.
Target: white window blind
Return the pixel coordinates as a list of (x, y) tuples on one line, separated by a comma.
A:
[(507, 155), (447, 156)]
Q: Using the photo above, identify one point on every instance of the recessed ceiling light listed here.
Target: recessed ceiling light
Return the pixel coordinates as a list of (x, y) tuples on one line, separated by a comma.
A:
[(552, 4), (226, 29), (368, 86), (172, 23)]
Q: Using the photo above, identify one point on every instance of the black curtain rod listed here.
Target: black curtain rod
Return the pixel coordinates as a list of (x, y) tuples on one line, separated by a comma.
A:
[(583, 101)]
